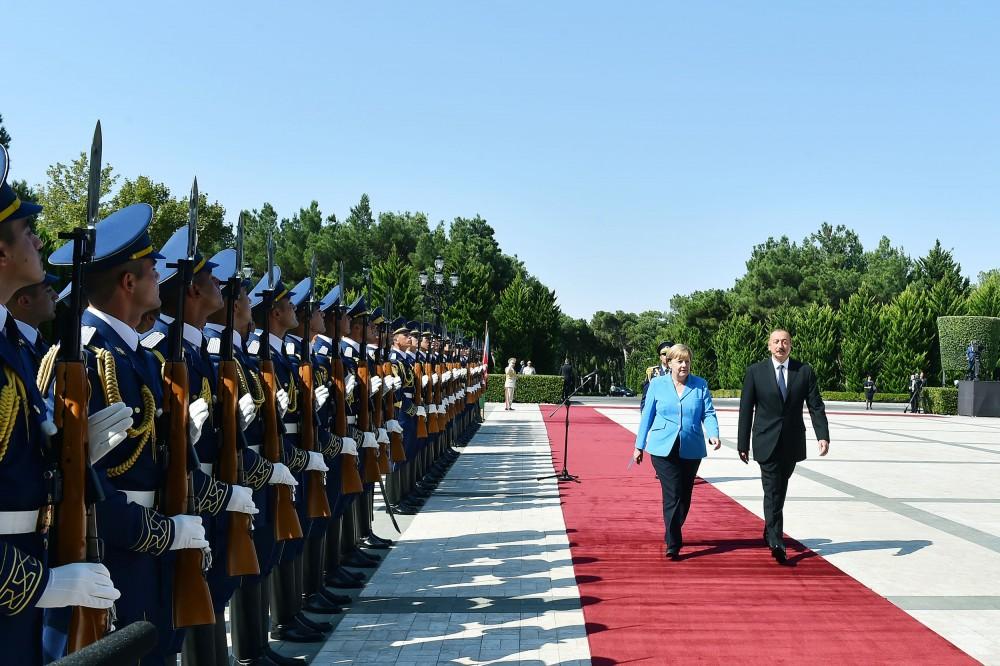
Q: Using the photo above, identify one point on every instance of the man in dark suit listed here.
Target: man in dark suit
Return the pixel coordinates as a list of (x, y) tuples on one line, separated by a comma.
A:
[(569, 377), (771, 409)]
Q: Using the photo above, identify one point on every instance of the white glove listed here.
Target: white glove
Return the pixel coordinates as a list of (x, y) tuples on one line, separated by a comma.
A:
[(281, 396), (316, 462), (188, 532), (432, 409), (106, 429), (369, 441), (197, 415), (446, 377), (386, 385), (392, 425), (383, 436), (81, 584), (421, 411), (423, 380), (434, 378), (350, 384), (241, 501), (348, 446), (280, 474), (374, 385), (247, 411), (320, 395)]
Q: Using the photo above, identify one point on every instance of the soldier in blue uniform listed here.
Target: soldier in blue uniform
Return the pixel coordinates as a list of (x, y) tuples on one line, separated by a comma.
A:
[(653, 371), (366, 537), (31, 307), (27, 584), (341, 450), (288, 622), (405, 412), (207, 643), (309, 567), (121, 285)]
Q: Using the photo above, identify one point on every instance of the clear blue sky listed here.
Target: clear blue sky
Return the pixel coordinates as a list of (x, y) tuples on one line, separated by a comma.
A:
[(624, 151)]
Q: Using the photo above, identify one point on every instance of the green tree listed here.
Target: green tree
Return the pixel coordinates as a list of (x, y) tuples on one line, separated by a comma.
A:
[(816, 342), (694, 320), (526, 322), (984, 300), (257, 225), (739, 342), (887, 271), (862, 339), (938, 265), (393, 276), (64, 197), (473, 300), (907, 342), (4, 137)]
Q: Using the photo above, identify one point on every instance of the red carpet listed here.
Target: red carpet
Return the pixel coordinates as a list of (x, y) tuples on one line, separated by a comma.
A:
[(726, 601)]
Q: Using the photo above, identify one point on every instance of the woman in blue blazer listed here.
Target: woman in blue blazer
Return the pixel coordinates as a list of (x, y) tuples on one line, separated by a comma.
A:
[(677, 407)]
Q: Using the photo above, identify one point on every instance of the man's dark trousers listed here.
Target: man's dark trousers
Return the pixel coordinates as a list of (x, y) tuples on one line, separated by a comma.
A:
[(774, 475)]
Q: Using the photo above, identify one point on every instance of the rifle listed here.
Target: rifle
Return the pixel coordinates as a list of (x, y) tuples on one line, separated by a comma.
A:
[(241, 555), (369, 462), (383, 455), (192, 601), (286, 520), (396, 452), (317, 504), (418, 388), (75, 532), (350, 479)]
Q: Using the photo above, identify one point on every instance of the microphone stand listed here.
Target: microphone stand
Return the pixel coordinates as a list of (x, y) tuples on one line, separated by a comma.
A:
[(564, 474)]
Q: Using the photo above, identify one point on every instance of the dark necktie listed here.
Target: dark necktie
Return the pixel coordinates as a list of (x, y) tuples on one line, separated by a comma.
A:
[(781, 382)]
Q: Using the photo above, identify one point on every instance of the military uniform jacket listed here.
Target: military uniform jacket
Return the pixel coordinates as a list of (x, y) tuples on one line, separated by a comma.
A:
[(211, 495), (322, 356), (402, 367), (23, 574), (652, 372), (287, 375)]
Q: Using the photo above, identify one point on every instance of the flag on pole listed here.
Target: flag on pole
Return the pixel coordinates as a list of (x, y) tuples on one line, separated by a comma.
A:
[(486, 353)]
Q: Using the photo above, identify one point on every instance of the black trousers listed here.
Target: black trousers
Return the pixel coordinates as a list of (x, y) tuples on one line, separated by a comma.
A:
[(676, 477), (774, 475)]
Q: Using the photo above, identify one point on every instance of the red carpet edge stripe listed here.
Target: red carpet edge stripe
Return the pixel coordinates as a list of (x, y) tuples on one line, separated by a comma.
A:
[(726, 601)]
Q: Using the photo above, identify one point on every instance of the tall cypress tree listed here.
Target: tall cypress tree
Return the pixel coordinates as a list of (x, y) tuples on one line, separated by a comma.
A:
[(738, 343), (906, 339), (816, 342), (862, 339)]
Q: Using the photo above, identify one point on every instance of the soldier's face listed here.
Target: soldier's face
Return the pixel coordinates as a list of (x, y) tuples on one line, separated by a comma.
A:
[(285, 314), (316, 322), (146, 286), (19, 258), (207, 287), (241, 311)]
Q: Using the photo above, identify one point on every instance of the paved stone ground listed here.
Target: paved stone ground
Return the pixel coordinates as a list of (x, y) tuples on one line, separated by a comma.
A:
[(483, 574), (908, 505)]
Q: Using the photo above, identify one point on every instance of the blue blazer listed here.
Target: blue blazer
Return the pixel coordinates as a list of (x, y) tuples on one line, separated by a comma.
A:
[(665, 416)]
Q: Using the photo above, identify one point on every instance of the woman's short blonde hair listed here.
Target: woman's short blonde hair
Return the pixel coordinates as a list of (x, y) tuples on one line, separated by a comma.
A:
[(680, 352), (511, 360)]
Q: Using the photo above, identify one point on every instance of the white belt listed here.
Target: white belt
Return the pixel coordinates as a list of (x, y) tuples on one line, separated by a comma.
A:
[(352, 419), (291, 428), (408, 394), (144, 498), (255, 448), (18, 522), (206, 468)]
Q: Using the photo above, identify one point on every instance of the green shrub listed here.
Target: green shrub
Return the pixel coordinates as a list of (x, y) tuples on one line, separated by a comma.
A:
[(841, 396), (955, 334), (940, 400), (530, 388)]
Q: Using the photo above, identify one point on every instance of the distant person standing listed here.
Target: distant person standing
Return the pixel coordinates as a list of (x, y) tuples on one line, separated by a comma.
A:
[(869, 388), (771, 411), (528, 369), (510, 383), (654, 371), (970, 357), (569, 378)]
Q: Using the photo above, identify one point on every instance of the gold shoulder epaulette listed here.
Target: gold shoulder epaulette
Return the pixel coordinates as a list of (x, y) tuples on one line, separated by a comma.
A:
[(649, 373), (45, 368)]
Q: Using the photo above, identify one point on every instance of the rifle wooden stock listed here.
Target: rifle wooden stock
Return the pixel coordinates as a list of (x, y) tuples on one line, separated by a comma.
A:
[(286, 520), (433, 423), (397, 453), (369, 456), (350, 480), (75, 524), (241, 555), (418, 399), (192, 601), (317, 504)]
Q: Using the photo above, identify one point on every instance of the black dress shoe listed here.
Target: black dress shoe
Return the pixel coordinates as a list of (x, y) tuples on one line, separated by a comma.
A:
[(313, 625), (374, 543), (294, 633), (318, 604), (343, 579), (334, 598), (357, 560), (376, 537), (673, 554), (371, 557), (272, 657), (778, 553)]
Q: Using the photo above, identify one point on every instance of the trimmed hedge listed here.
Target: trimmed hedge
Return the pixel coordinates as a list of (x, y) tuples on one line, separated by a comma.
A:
[(842, 396), (955, 334), (940, 400), (530, 388)]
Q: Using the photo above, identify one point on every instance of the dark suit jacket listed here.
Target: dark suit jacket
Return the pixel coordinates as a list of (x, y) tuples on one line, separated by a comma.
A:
[(777, 426)]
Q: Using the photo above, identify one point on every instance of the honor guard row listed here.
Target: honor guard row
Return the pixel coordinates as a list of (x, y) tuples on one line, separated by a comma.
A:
[(196, 441)]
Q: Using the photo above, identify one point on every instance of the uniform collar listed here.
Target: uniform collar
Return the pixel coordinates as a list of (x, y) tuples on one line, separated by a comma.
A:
[(354, 345), (3, 317), (191, 334), (275, 341), (29, 332), (324, 338), (220, 329), (128, 334)]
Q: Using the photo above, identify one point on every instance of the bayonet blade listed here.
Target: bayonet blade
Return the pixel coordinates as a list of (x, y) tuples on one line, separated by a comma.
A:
[(270, 260), (94, 182), (193, 221), (343, 287), (239, 246), (312, 277)]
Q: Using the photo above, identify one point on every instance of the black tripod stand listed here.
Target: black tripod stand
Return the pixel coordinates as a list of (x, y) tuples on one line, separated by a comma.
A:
[(564, 474)]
